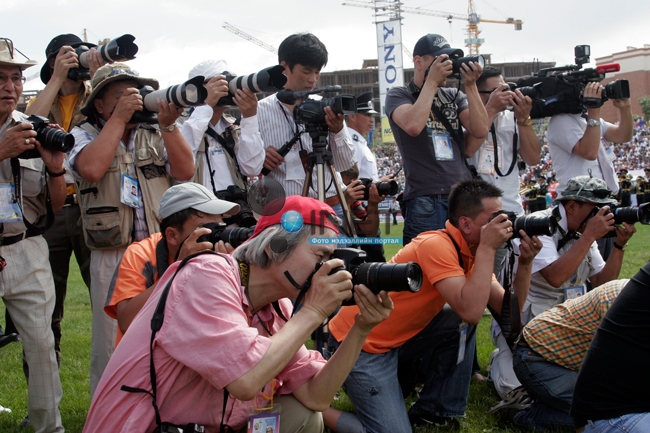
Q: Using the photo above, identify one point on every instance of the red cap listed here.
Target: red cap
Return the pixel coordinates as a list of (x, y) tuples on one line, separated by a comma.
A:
[(312, 211)]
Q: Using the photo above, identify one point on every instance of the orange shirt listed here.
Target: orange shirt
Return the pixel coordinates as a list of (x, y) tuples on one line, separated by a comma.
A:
[(438, 258), (138, 270)]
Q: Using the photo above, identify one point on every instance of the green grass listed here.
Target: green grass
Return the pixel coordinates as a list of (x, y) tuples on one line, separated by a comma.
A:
[(75, 363)]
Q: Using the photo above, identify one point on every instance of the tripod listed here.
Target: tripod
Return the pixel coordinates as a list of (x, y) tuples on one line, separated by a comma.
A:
[(321, 157)]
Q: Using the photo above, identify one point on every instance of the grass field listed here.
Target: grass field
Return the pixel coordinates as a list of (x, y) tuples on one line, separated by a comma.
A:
[(75, 362)]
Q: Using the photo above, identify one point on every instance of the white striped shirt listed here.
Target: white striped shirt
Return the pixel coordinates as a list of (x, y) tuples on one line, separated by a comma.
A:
[(277, 126)]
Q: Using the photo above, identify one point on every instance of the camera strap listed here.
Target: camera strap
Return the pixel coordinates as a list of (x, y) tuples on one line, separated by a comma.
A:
[(566, 236), (32, 230), (515, 139)]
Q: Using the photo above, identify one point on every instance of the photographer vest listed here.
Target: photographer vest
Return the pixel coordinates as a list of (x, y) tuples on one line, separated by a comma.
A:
[(229, 143), (107, 222)]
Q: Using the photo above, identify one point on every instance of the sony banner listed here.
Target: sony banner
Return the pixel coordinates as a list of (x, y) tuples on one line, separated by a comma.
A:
[(389, 54)]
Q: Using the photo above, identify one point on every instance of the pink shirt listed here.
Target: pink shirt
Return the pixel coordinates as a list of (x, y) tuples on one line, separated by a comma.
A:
[(205, 343)]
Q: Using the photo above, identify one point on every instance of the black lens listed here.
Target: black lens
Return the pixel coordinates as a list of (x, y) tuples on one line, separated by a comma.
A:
[(619, 89), (215, 235), (631, 214), (54, 139), (535, 226), (457, 63), (388, 276), (237, 236)]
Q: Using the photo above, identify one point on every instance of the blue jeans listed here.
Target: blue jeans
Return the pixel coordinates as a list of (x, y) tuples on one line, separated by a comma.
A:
[(630, 423), (374, 389), (423, 214), (551, 385)]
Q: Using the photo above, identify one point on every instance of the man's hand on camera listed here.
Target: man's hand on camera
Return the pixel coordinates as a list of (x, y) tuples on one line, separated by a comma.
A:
[(129, 103), (496, 232), (16, 140), (217, 88), (373, 195), (354, 191), (471, 72), (599, 225), (168, 113), (246, 101), (622, 103), (522, 105), (439, 70), (95, 61), (223, 247), (528, 248), (499, 99), (593, 90), (191, 246), (65, 60), (624, 232), (327, 292), (373, 309), (334, 121), (273, 158)]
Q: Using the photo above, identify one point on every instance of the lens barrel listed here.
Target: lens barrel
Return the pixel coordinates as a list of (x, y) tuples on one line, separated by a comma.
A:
[(391, 277)]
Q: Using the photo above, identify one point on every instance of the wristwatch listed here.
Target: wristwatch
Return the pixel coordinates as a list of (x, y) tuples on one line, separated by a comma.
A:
[(619, 247), (593, 122), (526, 122), (168, 128)]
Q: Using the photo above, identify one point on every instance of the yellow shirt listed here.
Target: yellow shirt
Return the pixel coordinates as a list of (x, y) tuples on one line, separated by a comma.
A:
[(66, 105)]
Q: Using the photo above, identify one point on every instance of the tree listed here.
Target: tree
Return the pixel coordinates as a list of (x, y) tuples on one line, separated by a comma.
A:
[(645, 106)]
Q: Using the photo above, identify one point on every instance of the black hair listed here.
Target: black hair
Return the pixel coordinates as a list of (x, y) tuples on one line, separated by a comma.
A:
[(466, 198), (303, 48), (178, 219), (488, 72)]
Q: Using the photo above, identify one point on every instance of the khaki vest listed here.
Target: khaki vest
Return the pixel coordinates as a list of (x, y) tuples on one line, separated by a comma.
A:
[(107, 222), (232, 165)]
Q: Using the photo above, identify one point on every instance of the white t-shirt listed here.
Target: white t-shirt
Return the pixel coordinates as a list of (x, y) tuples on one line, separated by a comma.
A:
[(564, 132)]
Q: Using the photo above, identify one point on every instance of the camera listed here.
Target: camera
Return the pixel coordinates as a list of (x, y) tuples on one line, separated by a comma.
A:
[(383, 188), (49, 137), (117, 50), (532, 225), (458, 61), (234, 236), (631, 214), (188, 94), (526, 91), (235, 194), (269, 79), (391, 277), (559, 90), (312, 111)]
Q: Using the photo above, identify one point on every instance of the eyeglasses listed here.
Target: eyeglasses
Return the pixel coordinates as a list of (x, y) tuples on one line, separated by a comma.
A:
[(488, 92), (16, 80)]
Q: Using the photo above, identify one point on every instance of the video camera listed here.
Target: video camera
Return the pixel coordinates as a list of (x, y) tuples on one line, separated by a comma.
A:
[(377, 276), (234, 236), (383, 188), (559, 90), (188, 94), (532, 225), (312, 111), (269, 79), (117, 50), (49, 137)]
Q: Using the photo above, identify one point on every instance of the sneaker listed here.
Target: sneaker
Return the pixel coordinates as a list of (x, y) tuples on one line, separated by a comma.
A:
[(416, 419), (516, 401)]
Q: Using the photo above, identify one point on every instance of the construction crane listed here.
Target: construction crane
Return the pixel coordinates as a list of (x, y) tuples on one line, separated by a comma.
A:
[(473, 42), (248, 37)]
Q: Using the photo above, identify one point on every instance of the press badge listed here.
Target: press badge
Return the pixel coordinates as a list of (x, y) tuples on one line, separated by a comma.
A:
[(265, 416), (442, 147), (294, 168), (486, 159), (9, 209), (573, 292), (130, 191), (462, 342)]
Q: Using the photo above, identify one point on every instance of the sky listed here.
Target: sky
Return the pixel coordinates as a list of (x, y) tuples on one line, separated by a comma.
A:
[(175, 35)]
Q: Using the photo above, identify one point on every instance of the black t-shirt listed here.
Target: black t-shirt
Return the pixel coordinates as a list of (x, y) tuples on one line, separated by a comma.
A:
[(614, 378), (426, 173)]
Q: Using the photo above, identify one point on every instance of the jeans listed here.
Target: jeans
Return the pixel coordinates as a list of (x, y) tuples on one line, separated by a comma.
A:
[(629, 423), (423, 214), (550, 385), (374, 389)]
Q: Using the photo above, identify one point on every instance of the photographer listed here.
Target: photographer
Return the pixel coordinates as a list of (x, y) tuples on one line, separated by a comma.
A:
[(26, 283), (222, 339), (61, 101), (225, 153), (579, 144), (184, 210), (433, 153), (110, 156), (457, 267), (570, 257), (303, 56)]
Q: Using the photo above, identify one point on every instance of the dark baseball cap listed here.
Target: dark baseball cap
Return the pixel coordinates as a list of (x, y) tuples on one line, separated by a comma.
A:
[(53, 49), (435, 45)]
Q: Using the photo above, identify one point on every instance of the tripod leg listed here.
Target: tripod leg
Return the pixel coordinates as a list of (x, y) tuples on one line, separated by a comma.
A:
[(344, 204)]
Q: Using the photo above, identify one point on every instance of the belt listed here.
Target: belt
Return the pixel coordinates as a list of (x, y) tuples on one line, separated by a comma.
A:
[(333, 200), (10, 240), (440, 196), (521, 341), (70, 199)]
